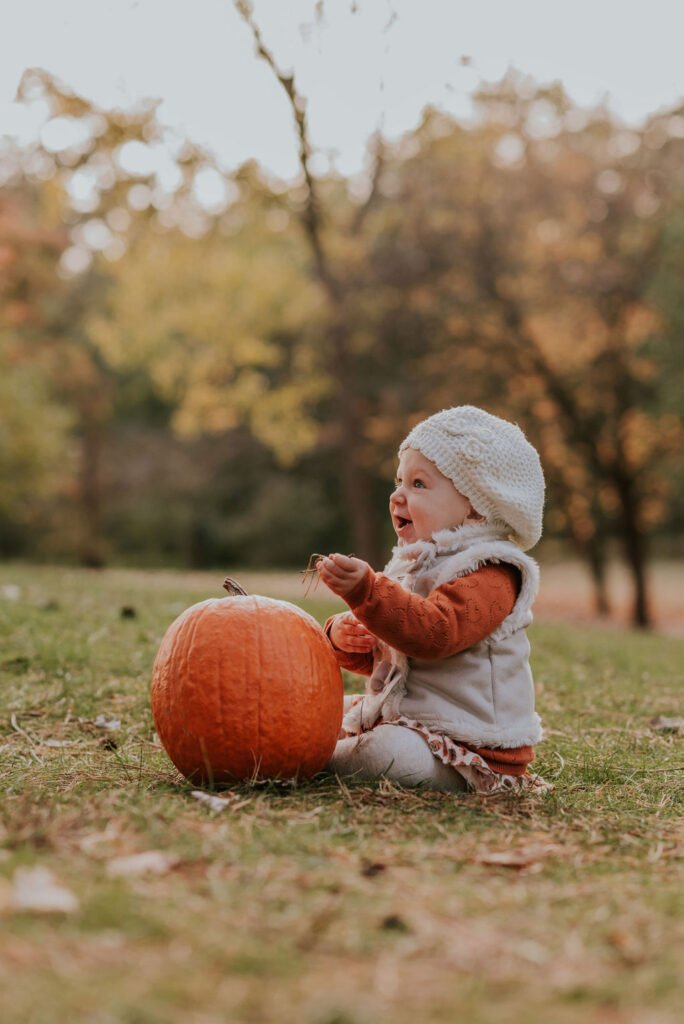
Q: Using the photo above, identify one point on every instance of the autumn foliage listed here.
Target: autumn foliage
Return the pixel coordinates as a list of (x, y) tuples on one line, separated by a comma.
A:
[(230, 383)]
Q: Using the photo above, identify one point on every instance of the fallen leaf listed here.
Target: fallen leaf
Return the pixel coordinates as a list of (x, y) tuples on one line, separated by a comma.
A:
[(151, 862), (110, 724), (663, 724), (214, 803), (317, 925), (89, 843), (36, 890), (5, 896), (394, 923), (518, 857), (372, 868), (628, 945)]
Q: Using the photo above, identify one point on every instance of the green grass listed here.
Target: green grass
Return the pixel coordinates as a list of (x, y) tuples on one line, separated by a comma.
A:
[(318, 903)]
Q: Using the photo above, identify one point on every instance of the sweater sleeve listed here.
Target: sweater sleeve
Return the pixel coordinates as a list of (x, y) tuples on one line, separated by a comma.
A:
[(352, 661), (452, 618)]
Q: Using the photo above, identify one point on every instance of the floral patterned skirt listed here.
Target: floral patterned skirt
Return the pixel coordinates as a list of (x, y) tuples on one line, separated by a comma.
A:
[(473, 768), (478, 775)]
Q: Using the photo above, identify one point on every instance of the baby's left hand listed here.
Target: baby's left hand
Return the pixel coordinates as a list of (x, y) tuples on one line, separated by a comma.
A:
[(341, 572)]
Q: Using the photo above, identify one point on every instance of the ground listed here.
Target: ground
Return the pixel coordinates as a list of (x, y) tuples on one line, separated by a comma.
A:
[(320, 902)]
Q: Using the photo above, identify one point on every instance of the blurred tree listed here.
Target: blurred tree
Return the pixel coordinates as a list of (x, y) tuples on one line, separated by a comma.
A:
[(548, 318), (529, 262), (572, 217), (523, 256), (230, 338), (92, 183), (346, 422), (34, 428)]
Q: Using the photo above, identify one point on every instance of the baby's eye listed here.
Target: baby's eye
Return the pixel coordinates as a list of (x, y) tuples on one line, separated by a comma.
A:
[(418, 483)]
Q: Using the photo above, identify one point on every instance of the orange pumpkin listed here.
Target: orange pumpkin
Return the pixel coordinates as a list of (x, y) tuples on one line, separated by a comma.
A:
[(246, 687)]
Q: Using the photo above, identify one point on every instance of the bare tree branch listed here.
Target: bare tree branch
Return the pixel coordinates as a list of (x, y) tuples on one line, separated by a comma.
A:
[(378, 149), (311, 215), (341, 358)]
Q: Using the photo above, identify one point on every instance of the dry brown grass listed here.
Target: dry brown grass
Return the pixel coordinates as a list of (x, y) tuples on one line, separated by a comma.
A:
[(328, 903)]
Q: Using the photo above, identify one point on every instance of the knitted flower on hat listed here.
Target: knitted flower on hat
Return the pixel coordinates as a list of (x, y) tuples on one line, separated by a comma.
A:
[(491, 462)]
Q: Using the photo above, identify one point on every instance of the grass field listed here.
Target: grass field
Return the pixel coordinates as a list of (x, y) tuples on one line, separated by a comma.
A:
[(323, 903)]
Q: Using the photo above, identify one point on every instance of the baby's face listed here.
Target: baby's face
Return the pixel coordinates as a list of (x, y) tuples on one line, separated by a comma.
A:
[(424, 500)]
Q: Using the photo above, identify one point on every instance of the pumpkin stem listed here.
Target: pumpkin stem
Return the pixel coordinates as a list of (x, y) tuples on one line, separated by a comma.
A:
[(233, 587)]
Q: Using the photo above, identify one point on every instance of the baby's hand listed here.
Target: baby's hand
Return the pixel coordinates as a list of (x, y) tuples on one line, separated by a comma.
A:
[(341, 572), (349, 635)]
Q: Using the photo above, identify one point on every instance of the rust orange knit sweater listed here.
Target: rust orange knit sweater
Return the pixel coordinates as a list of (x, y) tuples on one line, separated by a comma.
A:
[(452, 618)]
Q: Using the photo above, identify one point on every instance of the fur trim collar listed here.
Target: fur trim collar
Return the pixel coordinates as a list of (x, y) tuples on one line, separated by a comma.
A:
[(449, 541)]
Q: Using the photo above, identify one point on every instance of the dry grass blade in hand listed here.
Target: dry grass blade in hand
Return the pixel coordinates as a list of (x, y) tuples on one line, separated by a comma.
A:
[(311, 573)]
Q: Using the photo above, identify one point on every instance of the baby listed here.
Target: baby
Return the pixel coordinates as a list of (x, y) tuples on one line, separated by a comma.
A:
[(441, 632)]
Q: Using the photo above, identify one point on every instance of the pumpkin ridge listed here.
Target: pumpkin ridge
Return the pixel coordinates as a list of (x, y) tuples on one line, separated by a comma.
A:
[(206, 614), (187, 637), (186, 633), (253, 685), (206, 649), (257, 646), (218, 676), (288, 704), (241, 677)]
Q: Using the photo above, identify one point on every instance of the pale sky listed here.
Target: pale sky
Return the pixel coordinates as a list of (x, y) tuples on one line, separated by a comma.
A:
[(359, 71)]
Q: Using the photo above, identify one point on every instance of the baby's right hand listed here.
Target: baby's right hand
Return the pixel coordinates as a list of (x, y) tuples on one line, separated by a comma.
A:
[(349, 635)]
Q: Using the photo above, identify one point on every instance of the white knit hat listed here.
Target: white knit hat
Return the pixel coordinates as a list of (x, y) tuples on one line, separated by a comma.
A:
[(491, 462)]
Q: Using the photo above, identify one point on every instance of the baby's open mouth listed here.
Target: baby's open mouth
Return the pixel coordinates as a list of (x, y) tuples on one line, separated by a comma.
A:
[(403, 522)]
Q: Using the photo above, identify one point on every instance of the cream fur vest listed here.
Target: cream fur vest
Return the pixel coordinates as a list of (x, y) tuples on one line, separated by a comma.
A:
[(484, 695)]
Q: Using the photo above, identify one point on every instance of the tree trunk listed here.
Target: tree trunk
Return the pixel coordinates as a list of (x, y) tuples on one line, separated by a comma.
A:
[(91, 552), (635, 549), (635, 552), (363, 521), (355, 484), (595, 552)]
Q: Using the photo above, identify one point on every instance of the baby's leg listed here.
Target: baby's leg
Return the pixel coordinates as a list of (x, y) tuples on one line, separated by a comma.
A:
[(398, 753), (349, 700)]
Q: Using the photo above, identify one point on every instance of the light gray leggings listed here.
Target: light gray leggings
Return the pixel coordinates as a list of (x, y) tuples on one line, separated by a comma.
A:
[(397, 753)]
